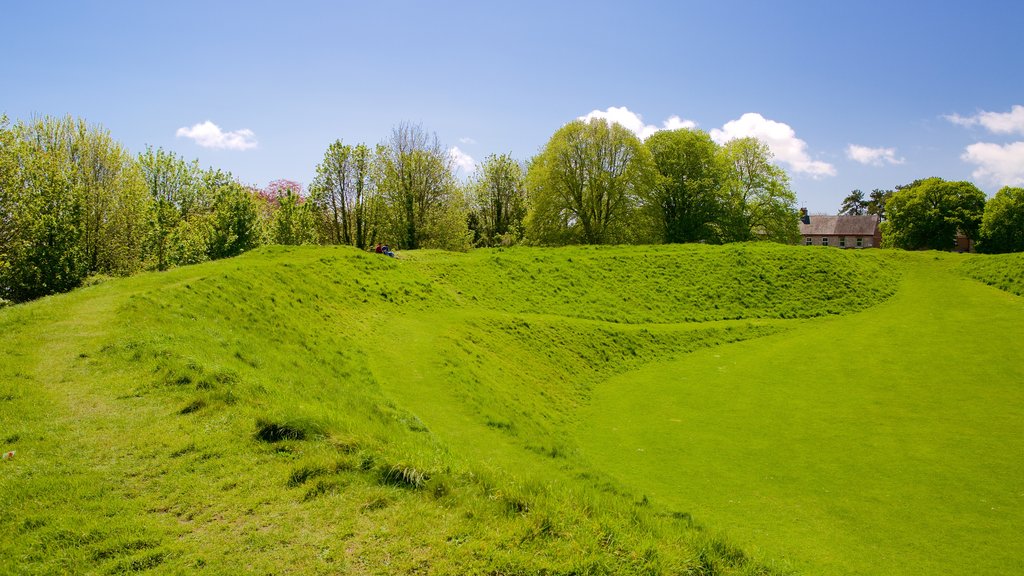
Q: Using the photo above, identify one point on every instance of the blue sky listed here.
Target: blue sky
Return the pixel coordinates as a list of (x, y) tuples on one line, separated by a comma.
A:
[(849, 94)]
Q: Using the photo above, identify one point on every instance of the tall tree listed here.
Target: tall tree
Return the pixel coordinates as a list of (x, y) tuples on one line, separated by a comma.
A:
[(292, 220), (71, 201), (235, 221), (687, 199), (854, 204), (586, 183), (876, 202), (759, 204), (416, 181), (368, 205), (1002, 226), (344, 195), (173, 186), (333, 193), (499, 200), (10, 191), (928, 213)]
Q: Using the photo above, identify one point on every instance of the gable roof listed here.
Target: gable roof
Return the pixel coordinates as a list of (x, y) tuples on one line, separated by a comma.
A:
[(819, 225)]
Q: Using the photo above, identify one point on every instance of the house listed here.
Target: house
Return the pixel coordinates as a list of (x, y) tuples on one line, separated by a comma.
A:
[(841, 231)]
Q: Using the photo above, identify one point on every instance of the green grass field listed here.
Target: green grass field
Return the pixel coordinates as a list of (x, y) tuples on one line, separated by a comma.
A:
[(747, 409)]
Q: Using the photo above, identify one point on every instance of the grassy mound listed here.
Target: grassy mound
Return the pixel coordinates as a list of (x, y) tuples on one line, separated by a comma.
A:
[(690, 283), (1004, 271), (323, 410)]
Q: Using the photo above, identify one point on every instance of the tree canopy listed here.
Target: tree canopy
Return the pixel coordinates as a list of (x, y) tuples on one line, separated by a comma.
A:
[(585, 185), (854, 204), (927, 214), (498, 197), (688, 198), (759, 205), (1002, 226), (426, 209)]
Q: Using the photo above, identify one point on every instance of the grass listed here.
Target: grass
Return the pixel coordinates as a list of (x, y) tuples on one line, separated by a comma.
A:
[(1004, 271), (321, 410), (886, 441)]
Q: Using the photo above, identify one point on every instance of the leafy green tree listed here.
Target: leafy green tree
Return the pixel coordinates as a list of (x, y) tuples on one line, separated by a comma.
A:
[(369, 207), (759, 205), (235, 221), (498, 192), (47, 253), (333, 194), (876, 202), (586, 184), (293, 221), (449, 228), (928, 213), (173, 187), (70, 204), (423, 203), (10, 190), (854, 204), (687, 200), (344, 195), (1002, 226)]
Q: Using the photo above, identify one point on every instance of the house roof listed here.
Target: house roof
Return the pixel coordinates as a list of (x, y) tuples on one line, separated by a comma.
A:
[(819, 225)]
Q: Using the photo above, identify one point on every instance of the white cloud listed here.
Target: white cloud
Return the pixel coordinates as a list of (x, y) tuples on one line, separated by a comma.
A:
[(461, 160), (209, 135), (677, 123), (467, 140), (1011, 122), (1002, 165), (781, 139), (873, 156), (634, 122)]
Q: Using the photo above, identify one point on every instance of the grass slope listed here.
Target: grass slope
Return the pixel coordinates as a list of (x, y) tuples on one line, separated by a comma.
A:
[(1004, 271), (887, 441), (321, 410)]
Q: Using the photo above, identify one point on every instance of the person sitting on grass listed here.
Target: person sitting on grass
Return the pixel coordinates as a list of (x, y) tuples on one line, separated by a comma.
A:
[(388, 251), (378, 249)]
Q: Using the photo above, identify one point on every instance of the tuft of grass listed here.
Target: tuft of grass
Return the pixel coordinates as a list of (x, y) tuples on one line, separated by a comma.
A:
[(193, 406), (403, 476), (271, 431)]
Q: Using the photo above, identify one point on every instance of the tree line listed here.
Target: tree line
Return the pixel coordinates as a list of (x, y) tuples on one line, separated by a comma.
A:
[(74, 203), (928, 214)]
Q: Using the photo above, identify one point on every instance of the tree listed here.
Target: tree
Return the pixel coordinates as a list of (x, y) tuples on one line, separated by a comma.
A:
[(687, 199), (343, 194), (498, 193), (235, 221), (70, 203), (292, 220), (333, 193), (854, 204), (876, 202), (1002, 226), (759, 204), (414, 174), (927, 214), (173, 187), (586, 184), (10, 189), (368, 205)]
